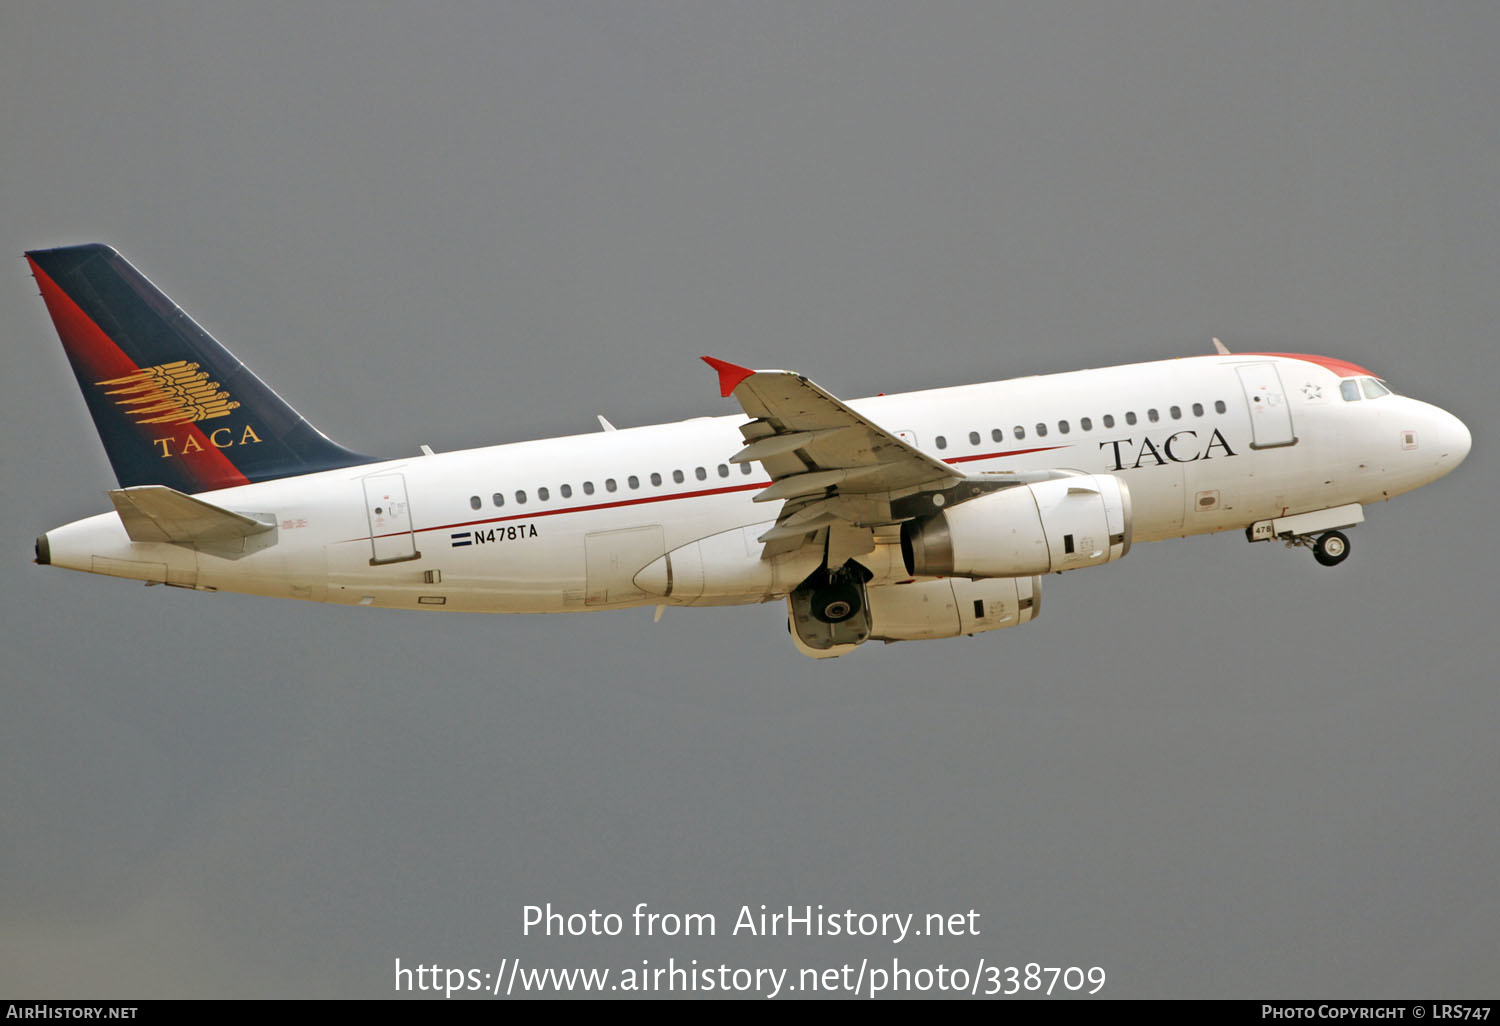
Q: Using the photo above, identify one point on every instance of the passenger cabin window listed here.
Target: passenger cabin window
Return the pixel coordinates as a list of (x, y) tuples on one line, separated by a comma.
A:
[(1373, 388), (1020, 431), (1349, 390), (973, 437), (521, 497), (1153, 416), (1197, 409), (655, 479), (609, 484), (1176, 412), (567, 491), (1062, 426), (701, 474), (723, 470), (1130, 417), (677, 476), (997, 435), (1219, 406), (745, 468), (474, 502), (1086, 423), (942, 442), (588, 488), (497, 499), (1109, 420), (1041, 430), (543, 495)]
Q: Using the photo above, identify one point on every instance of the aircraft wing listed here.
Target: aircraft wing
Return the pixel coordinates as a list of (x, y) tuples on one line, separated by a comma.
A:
[(831, 468)]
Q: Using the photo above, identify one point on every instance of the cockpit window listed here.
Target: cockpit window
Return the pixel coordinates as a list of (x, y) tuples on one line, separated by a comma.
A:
[(1374, 389), (1349, 390)]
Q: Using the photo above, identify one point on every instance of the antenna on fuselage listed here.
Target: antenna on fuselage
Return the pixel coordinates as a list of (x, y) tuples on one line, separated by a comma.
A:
[(1220, 348)]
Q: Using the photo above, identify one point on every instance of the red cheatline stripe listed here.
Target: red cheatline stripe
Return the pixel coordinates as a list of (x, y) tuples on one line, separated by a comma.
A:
[(99, 358), (659, 498), (585, 509), (998, 455)]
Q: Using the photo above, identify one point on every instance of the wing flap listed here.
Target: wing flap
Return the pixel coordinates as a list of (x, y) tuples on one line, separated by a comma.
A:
[(788, 528), (774, 445), (816, 482)]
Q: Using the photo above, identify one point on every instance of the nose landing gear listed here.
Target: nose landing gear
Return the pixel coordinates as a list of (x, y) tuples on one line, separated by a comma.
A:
[(1318, 530), (1331, 549)]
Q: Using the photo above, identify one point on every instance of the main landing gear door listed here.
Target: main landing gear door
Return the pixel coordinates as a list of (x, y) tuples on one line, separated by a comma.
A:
[(1270, 414), (391, 537)]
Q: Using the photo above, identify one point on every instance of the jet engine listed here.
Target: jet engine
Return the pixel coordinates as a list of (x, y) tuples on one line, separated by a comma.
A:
[(1063, 524), (952, 606)]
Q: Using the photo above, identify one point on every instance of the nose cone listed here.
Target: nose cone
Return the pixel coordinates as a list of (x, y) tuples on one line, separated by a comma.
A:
[(1454, 441)]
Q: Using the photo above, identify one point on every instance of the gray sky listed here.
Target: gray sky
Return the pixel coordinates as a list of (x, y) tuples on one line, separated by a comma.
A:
[(1214, 769)]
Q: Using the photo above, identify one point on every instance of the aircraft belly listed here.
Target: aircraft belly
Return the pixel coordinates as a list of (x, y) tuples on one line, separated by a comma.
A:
[(275, 572), (521, 567), (1157, 497)]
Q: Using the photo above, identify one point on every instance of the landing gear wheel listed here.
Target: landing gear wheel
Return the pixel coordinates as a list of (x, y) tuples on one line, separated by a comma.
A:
[(1331, 549), (836, 603)]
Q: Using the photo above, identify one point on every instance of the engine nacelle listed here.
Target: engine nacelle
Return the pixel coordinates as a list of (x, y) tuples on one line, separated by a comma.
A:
[(952, 606), (1064, 524)]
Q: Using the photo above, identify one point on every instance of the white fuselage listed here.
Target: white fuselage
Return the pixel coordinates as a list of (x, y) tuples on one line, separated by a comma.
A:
[(566, 524)]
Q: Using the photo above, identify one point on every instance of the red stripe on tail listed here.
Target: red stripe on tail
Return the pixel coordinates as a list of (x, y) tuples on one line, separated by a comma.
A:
[(95, 357)]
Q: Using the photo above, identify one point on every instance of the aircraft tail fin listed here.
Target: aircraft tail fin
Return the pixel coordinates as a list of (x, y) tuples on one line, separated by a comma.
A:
[(171, 404)]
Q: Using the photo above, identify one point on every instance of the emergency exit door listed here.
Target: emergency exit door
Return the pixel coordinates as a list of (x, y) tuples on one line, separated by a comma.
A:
[(391, 537)]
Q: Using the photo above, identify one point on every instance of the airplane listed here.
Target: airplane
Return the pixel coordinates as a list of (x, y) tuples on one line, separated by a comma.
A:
[(901, 517)]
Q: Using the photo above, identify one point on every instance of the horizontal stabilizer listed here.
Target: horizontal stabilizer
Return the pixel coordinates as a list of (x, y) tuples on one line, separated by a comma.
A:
[(156, 513)]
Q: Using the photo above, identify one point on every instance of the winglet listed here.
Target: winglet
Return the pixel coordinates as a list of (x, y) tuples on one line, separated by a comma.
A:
[(730, 374)]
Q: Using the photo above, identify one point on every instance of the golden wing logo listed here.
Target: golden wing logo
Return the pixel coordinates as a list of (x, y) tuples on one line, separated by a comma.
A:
[(170, 393)]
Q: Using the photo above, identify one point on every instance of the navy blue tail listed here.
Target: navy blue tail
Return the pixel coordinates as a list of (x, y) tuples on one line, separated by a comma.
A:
[(172, 405)]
